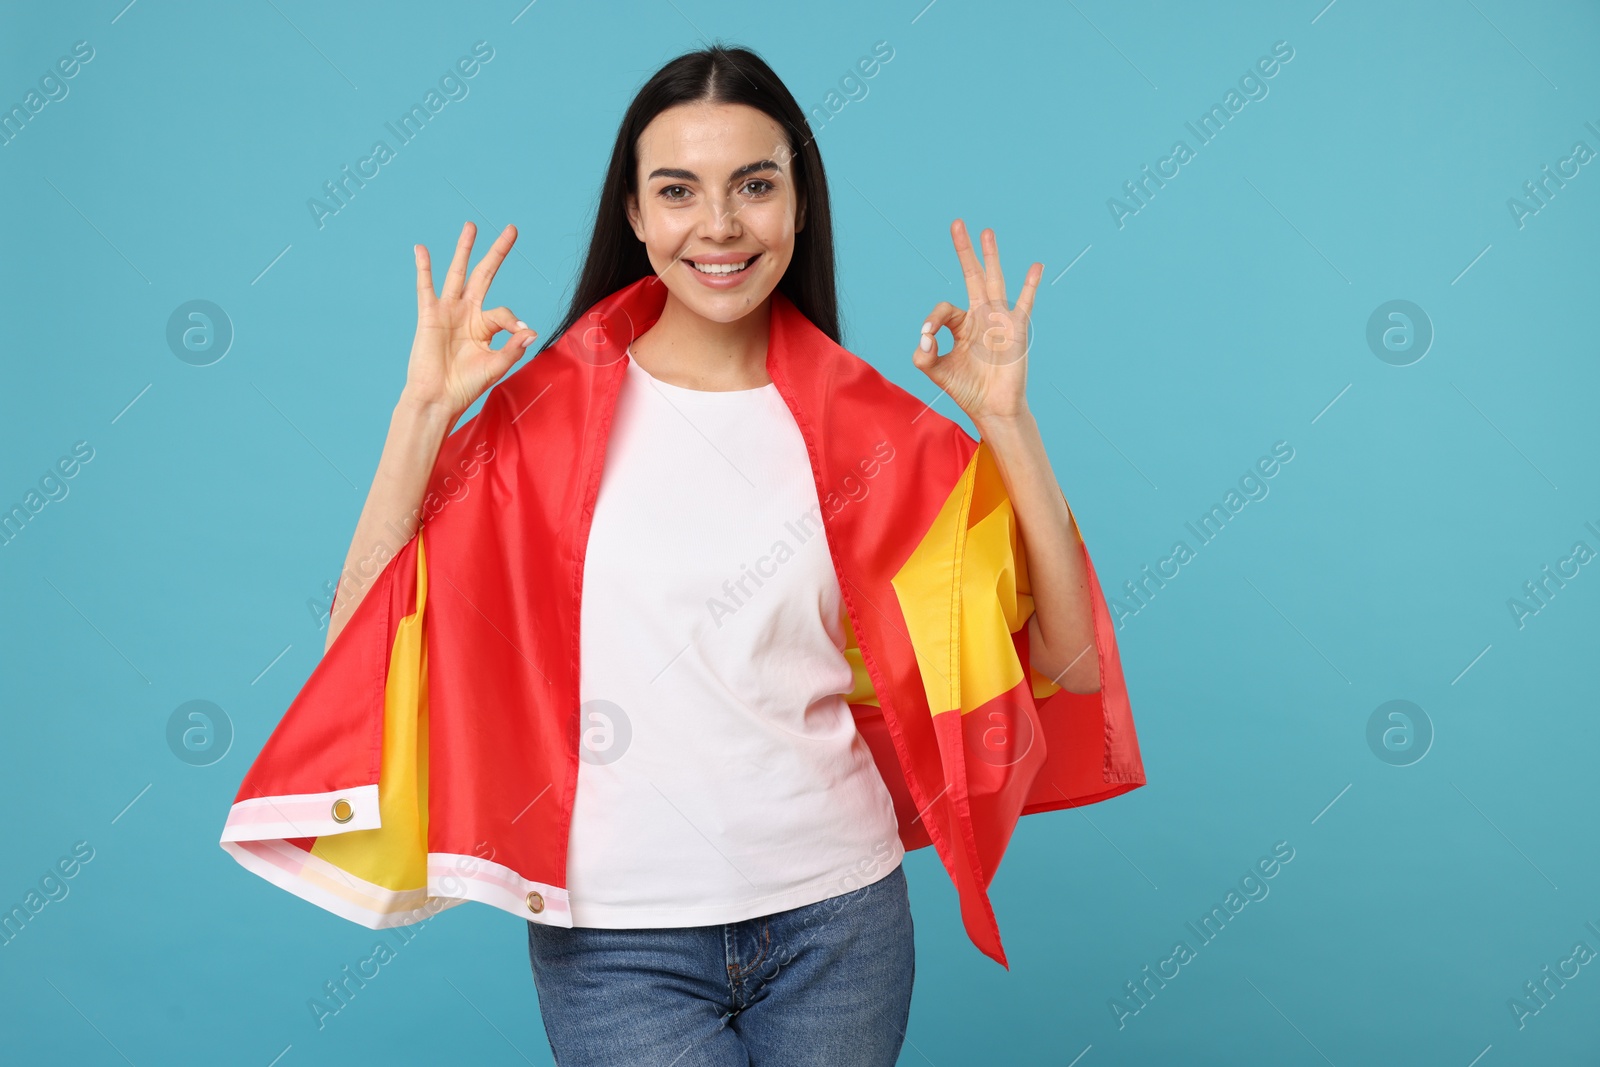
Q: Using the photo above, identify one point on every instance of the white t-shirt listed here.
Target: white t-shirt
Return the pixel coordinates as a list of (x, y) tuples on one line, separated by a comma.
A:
[(722, 776)]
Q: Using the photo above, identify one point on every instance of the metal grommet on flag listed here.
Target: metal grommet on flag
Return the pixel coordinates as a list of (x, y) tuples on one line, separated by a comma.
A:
[(342, 811), (535, 901)]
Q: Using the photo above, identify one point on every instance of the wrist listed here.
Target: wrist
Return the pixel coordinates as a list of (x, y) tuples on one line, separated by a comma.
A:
[(424, 414), (999, 425)]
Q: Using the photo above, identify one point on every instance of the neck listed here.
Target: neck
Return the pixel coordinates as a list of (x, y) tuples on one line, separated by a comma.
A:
[(686, 348)]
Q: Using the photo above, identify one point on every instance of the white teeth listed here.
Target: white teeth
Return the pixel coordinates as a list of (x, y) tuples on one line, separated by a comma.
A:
[(719, 268)]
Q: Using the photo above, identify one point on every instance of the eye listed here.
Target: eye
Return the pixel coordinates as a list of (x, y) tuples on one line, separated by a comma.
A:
[(766, 186), (666, 191)]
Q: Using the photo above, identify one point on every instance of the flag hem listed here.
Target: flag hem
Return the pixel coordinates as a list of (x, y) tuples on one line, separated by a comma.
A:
[(302, 815), (452, 879)]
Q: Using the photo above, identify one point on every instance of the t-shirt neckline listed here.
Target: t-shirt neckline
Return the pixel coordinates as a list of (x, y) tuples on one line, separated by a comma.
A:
[(634, 362)]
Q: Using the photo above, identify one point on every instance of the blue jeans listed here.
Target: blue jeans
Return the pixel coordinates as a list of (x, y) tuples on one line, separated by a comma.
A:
[(824, 984)]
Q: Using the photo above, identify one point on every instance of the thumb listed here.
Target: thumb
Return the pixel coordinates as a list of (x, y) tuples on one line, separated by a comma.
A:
[(522, 335), (522, 338)]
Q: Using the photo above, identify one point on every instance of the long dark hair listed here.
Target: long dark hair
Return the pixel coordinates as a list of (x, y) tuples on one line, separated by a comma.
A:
[(715, 75)]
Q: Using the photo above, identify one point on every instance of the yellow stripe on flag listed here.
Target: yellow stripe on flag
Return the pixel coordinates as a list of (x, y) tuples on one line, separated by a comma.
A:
[(964, 593), (861, 691), (395, 855)]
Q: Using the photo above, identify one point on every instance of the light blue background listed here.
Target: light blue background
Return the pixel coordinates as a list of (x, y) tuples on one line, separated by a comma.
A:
[(1230, 313)]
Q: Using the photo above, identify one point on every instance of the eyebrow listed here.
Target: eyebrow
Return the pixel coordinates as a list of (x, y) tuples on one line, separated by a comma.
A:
[(691, 176)]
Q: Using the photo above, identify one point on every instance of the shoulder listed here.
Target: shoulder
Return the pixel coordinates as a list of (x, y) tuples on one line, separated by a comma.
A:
[(891, 401)]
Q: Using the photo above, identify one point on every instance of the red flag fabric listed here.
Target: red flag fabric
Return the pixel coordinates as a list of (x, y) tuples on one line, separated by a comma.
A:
[(432, 756)]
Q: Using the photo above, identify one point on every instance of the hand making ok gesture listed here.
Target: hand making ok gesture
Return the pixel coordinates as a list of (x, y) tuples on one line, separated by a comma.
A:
[(451, 361), (986, 372)]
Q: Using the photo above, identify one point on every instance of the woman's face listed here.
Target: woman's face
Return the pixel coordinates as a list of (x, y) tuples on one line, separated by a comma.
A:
[(715, 192)]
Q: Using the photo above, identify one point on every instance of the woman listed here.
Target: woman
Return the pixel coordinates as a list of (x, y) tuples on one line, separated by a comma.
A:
[(734, 868)]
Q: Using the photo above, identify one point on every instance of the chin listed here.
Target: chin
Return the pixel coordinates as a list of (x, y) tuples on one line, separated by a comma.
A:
[(728, 309)]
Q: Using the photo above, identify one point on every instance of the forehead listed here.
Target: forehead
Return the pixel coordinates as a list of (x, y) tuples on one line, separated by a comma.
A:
[(710, 139)]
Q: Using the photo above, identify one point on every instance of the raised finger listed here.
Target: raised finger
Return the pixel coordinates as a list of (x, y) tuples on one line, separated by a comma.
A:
[(483, 273), (970, 267), (994, 280), (1030, 286), (425, 293), (456, 277)]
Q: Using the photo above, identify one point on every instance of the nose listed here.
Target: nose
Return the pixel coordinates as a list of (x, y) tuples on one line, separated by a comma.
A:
[(721, 218)]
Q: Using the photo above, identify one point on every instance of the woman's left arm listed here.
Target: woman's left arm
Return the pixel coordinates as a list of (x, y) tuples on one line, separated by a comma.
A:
[(1061, 629), (985, 373)]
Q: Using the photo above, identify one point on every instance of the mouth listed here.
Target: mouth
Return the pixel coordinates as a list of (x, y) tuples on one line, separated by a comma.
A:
[(720, 270)]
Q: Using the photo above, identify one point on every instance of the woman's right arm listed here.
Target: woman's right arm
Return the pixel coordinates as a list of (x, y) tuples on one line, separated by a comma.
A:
[(451, 366)]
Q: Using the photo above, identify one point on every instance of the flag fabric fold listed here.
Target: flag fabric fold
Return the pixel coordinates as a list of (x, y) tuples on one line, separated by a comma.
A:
[(431, 757)]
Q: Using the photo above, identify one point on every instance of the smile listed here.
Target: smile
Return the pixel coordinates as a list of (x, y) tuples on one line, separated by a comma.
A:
[(722, 268)]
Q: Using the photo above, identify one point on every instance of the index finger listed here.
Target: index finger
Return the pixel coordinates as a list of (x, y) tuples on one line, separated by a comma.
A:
[(483, 273)]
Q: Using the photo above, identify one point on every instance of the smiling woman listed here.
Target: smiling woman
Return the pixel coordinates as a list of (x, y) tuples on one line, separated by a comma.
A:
[(717, 178), (720, 243), (702, 815)]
